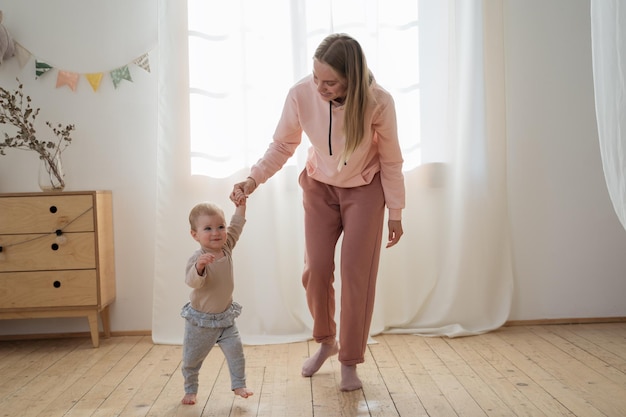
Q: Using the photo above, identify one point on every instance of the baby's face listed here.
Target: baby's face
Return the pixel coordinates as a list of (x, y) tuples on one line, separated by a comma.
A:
[(210, 231)]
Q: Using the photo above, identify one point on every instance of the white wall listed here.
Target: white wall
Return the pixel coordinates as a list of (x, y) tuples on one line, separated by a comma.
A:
[(114, 145), (569, 248)]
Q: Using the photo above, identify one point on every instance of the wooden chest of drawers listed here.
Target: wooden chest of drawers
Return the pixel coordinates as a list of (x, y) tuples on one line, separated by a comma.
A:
[(57, 257)]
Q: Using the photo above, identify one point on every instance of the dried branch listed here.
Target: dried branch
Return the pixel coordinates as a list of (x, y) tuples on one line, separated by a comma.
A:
[(16, 111)]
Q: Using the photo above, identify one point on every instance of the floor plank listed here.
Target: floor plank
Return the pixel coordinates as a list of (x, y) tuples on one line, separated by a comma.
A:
[(541, 370), (108, 374), (583, 381), (510, 344), (130, 382), (86, 375), (376, 395), (580, 349), (148, 392), (423, 374), (19, 370), (519, 391), (473, 372), (390, 358)]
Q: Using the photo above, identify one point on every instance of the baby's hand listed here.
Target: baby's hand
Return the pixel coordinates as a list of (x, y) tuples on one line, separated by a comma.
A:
[(239, 197), (203, 260)]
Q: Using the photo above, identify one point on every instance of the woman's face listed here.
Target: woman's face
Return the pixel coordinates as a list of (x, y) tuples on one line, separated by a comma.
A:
[(329, 84)]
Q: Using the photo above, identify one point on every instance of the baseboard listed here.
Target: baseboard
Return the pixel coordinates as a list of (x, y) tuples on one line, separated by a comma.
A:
[(534, 322), (86, 335), (584, 320)]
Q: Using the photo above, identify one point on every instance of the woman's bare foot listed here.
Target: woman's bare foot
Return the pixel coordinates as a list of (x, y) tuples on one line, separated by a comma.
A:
[(189, 399), (243, 392), (349, 379), (315, 362)]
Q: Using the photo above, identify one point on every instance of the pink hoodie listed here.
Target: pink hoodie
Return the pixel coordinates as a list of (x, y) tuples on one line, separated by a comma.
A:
[(306, 111)]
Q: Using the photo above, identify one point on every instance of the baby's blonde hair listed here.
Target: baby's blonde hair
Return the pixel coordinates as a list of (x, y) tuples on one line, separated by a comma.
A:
[(209, 209)]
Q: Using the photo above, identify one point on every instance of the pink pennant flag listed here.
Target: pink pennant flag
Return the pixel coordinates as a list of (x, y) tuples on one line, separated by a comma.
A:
[(67, 78)]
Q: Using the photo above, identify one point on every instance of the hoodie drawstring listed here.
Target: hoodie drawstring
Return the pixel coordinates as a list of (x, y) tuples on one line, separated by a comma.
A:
[(330, 126)]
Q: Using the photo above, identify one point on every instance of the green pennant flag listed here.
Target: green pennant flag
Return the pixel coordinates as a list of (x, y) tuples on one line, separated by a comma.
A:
[(119, 74), (41, 68)]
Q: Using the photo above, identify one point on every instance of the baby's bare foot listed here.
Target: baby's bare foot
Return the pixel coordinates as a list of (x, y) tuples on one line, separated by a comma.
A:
[(315, 362), (349, 379), (243, 392), (189, 399)]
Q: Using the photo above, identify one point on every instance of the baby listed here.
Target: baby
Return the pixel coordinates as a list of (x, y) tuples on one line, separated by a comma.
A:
[(210, 313)]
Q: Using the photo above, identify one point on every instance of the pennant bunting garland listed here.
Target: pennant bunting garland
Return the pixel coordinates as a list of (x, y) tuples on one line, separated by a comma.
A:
[(71, 79), (142, 62), (67, 78), (22, 54), (94, 80), (41, 68), (119, 74)]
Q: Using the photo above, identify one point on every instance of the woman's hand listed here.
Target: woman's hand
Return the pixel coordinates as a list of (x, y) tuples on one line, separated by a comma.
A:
[(395, 232), (245, 187)]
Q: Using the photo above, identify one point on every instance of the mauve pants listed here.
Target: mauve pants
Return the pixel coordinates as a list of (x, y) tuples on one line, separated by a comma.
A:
[(359, 213)]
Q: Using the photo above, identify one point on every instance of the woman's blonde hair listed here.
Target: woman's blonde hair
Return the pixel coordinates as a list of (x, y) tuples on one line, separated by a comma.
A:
[(208, 209), (345, 55)]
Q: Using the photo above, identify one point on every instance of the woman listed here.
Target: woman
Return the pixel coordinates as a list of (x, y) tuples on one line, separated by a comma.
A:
[(353, 169)]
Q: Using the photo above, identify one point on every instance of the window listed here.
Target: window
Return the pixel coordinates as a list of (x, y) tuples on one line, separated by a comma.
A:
[(244, 56)]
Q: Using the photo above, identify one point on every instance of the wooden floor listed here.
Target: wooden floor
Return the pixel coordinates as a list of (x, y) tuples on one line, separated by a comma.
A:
[(553, 370)]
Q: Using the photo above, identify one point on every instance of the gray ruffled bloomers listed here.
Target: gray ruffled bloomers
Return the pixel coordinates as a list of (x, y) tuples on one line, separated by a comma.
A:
[(219, 320)]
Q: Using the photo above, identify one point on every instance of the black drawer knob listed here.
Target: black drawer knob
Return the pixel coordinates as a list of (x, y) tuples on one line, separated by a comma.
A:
[(53, 209), (55, 246), (56, 284)]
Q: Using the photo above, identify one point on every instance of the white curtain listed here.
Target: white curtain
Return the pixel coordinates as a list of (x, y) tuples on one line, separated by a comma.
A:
[(608, 42), (238, 64), (450, 275)]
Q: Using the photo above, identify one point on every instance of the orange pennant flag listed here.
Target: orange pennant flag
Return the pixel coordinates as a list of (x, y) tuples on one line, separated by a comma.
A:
[(67, 78), (94, 80)]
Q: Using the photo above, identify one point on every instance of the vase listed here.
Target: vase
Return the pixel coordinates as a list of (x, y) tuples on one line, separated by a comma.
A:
[(51, 176)]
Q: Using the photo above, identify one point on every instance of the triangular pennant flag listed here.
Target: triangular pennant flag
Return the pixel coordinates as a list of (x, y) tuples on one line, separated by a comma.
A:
[(94, 80), (67, 78), (143, 62), (22, 54), (41, 68), (119, 74)]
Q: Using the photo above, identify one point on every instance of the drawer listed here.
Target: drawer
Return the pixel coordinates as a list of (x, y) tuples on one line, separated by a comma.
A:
[(42, 252), (45, 214), (48, 289)]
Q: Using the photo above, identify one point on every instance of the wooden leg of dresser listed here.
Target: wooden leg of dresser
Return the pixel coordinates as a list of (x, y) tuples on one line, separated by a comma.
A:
[(93, 327), (106, 323)]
